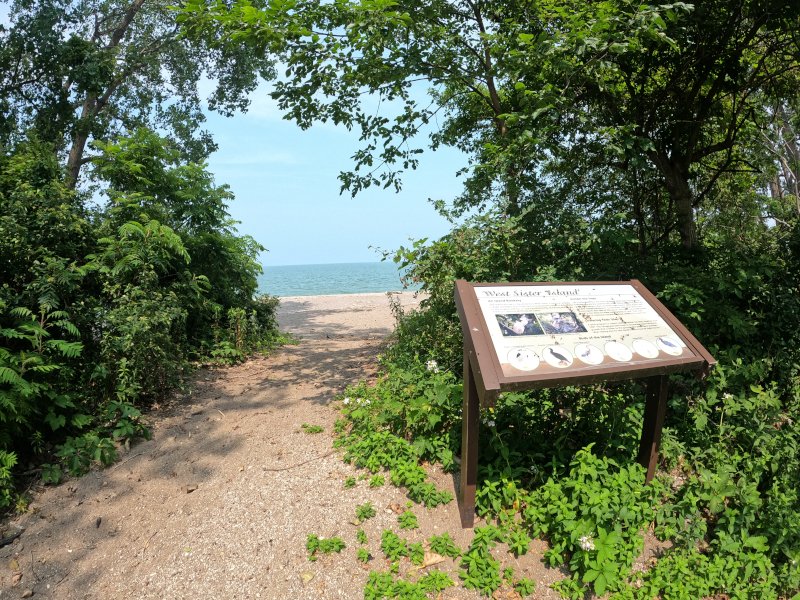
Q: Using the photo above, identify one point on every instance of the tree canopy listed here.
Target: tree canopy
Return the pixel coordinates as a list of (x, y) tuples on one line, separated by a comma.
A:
[(83, 71), (659, 96), (114, 278)]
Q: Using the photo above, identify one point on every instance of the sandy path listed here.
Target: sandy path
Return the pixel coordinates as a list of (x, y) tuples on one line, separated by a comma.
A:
[(219, 503), (133, 531)]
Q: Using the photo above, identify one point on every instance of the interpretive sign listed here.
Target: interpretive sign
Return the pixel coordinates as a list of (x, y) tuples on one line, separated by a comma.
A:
[(575, 328), (531, 335)]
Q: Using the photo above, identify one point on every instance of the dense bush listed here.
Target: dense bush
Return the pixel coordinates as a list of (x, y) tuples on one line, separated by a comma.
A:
[(559, 463), (102, 309)]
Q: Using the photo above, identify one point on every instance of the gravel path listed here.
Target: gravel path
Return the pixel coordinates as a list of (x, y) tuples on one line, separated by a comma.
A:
[(219, 503)]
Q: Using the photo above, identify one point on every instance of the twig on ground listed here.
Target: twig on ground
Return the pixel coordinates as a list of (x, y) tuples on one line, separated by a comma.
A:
[(147, 543), (122, 462), (61, 580), (300, 464)]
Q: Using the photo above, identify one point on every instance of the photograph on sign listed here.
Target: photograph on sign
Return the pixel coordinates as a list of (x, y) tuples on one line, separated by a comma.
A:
[(555, 328), (514, 324)]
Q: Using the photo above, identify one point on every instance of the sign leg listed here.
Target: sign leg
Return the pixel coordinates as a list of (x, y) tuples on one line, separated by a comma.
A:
[(470, 414), (654, 412)]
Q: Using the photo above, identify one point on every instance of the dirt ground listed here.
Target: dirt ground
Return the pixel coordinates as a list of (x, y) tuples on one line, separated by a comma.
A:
[(218, 504)]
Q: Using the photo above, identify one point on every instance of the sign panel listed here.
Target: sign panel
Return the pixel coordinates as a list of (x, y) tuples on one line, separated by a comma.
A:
[(557, 328), (521, 336)]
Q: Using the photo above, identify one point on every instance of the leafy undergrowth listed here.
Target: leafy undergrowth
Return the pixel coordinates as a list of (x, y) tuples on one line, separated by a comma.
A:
[(559, 466)]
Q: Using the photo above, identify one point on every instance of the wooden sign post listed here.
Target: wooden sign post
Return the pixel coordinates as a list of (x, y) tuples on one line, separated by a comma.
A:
[(522, 336)]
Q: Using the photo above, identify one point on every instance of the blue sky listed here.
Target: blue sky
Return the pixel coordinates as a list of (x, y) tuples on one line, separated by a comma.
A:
[(287, 191)]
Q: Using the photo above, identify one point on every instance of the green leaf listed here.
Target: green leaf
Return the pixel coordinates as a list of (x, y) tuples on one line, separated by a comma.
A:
[(10, 376), (55, 421), (81, 420), (67, 349), (600, 585), (757, 542)]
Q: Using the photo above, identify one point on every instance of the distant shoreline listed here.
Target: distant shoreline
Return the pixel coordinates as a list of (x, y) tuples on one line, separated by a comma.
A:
[(346, 294), (332, 264), (331, 279)]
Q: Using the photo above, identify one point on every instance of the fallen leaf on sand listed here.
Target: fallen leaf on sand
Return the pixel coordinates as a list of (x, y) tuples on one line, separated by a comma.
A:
[(396, 508), (429, 559), (189, 488), (306, 577), (16, 578), (505, 593)]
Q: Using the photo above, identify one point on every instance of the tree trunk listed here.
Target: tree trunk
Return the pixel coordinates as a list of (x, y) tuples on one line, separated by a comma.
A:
[(94, 103), (681, 195), (676, 179), (75, 158), (79, 139)]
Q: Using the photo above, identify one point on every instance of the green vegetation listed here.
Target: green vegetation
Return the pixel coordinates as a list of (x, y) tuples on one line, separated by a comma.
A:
[(317, 545), (120, 267), (384, 585), (408, 520), (311, 429), (604, 141), (444, 545), (361, 537), (365, 511)]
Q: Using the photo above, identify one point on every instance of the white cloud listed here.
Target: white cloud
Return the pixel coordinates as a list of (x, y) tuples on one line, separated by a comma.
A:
[(264, 157), (262, 106)]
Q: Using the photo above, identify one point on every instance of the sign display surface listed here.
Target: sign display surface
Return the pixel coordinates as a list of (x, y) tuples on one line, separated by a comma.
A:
[(558, 328), (523, 336)]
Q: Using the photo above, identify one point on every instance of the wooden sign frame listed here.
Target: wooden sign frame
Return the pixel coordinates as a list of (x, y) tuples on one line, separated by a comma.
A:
[(523, 336)]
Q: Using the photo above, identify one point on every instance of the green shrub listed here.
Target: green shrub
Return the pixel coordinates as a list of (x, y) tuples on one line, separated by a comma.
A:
[(316, 545)]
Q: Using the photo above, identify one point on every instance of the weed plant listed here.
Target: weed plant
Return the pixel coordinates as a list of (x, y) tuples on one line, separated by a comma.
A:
[(728, 505), (408, 520), (560, 464), (311, 429), (365, 511), (317, 545)]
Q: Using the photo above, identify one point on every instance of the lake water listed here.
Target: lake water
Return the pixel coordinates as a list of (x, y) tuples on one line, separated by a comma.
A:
[(318, 280)]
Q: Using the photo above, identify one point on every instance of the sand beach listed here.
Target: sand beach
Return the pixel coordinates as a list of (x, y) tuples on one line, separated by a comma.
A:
[(219, 503)]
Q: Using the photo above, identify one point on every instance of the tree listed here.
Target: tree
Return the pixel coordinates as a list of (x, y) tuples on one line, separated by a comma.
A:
[(79, 72), (664, 88), (683, 94), (781, 138)]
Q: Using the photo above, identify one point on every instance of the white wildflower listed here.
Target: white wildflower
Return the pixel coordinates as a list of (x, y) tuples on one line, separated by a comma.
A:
[(586, 543), (490, 423), (346, 400), (727, 396), (432, 366)]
